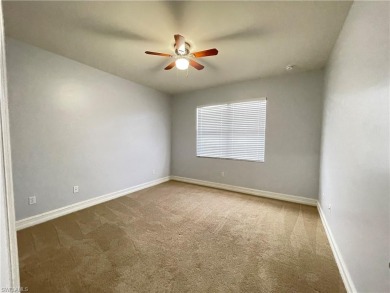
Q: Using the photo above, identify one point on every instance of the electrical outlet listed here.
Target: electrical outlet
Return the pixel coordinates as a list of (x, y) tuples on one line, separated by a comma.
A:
[(223, 173), (32, 200), (75, 189)]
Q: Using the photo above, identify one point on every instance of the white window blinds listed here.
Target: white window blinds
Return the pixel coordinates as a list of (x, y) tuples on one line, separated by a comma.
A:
[(232, 131)]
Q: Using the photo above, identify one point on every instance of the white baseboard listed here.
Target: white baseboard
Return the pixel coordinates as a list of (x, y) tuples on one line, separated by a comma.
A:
[(349, 286), (256, 192), (34, 220)]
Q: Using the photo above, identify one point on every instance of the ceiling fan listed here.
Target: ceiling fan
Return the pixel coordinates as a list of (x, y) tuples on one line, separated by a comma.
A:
[(184, 57)]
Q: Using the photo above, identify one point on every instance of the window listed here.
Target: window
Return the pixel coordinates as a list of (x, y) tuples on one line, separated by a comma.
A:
[(232, 131)]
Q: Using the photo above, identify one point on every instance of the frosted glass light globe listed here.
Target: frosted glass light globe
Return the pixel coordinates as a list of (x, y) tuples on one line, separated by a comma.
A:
[(182, 63)]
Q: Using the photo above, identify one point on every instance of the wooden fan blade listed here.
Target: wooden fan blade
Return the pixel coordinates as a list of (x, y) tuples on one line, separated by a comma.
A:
[(205, 53), (196, 65), (180, 44), (170, 66), (158, 54)]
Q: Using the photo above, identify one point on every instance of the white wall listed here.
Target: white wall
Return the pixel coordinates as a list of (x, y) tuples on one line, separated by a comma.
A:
[(292, 149), (355, 146), (75, 125)]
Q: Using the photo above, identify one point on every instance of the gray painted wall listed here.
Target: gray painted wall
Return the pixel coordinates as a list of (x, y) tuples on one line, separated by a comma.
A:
[(75, 125), (292, 150), (355, 145)]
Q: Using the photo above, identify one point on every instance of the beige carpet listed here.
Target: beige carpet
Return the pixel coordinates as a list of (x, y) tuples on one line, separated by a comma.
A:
[(178, 237)]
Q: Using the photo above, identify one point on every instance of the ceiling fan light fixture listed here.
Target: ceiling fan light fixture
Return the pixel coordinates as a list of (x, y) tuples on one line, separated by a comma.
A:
[(183, 58), (182, 63)]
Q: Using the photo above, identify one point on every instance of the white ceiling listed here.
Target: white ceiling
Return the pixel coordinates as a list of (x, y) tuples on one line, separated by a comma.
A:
[(254, 39)]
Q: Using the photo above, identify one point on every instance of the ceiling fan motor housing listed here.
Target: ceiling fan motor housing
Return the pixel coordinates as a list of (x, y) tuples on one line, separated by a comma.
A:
[(186, 52)]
